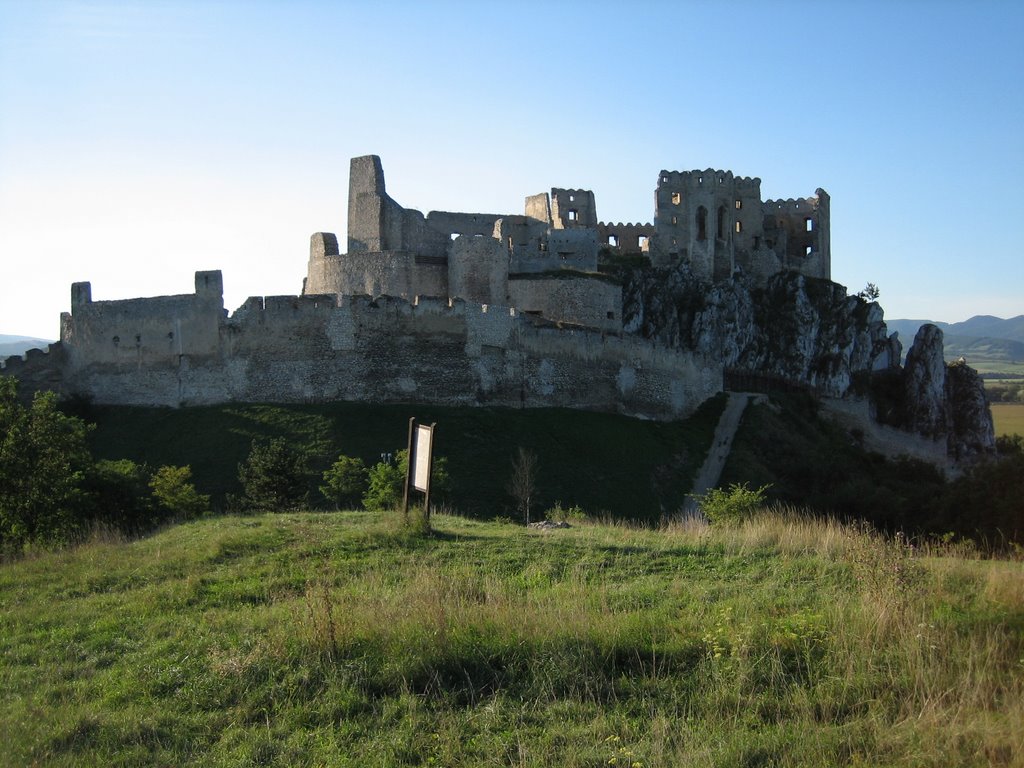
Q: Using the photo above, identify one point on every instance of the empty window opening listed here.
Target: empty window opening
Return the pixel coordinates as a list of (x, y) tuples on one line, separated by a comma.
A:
[(676, 197), (721, 222), (739, 204), (721, 180), (808, 225), (641, 241), (456, 235), (739, 227), (611, 315), (700, 179), (664, 179), (675, 220), (573, 215), (702, 223), (117, 340), (572, 198), (674, 241), (757, 242), (613, 240), (807, 251)]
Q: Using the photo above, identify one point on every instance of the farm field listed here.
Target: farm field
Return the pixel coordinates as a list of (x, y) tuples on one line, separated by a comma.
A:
[(1008, 418), (342, 639)]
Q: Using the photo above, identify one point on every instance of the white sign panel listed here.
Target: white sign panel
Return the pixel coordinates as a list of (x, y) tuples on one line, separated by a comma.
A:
[(421, 453)]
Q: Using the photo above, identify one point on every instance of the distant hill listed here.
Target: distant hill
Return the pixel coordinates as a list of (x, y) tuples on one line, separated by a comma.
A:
[(981, 338), (18, 345)]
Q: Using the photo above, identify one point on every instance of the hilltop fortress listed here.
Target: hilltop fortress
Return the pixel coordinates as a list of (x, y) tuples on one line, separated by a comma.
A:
[(451, 308)]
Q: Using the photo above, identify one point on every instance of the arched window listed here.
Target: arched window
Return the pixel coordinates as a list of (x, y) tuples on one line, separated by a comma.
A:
[(702, 223)]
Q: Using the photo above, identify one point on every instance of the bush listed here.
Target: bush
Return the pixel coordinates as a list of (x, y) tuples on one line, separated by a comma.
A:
[(118, 494), (560, 514), (43, 460), (388, 477), (175, 494), (345, 482), (732, 505), (273, 477)]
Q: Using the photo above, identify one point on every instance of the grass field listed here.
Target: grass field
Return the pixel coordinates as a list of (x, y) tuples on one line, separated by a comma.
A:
[(340, 640), (1008, 418)]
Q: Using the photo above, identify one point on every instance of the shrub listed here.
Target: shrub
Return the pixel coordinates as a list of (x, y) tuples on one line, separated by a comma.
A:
[(560, 514), (273, 477), (733, 504), (118, 494), (176, 495), (388, 476), (43, 460), (345, 481)]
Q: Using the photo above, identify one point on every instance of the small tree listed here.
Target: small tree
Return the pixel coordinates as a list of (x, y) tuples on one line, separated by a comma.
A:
[(345, 481), (273, 478), (522, 485), (118, 495), (43, 460), (176, 495), (869, 292)]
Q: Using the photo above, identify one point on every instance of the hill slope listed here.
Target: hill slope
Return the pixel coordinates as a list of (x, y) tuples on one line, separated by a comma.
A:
[(338, 640)]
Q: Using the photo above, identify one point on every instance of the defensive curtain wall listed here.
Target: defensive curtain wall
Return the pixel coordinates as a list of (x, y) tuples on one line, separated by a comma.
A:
[(185, 350)]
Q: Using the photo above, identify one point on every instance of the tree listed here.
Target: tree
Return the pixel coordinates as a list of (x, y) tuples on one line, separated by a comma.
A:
[(869, 292), (273, 477), (118, 495), (523, 484), (176, 495), (43, 459), (345, 481)]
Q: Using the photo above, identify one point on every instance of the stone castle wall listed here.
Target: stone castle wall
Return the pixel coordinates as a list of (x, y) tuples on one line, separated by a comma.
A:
[(185, 350)]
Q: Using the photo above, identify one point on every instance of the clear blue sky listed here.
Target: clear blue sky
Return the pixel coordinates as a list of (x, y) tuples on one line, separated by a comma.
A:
[(140, 142)]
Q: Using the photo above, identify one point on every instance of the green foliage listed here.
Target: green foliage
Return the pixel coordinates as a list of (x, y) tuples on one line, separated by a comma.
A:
[(273, 477), (175, 494), (345, 482), (869, 292), (732, 505), (43, 461), (570, 514), (387, 478), (119, 495)]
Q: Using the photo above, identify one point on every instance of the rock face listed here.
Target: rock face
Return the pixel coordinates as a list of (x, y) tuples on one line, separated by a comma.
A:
[(945, 401), (809, 331), (797, 328)]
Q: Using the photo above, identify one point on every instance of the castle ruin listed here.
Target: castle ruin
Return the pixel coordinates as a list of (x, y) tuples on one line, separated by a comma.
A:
[(448, 308)]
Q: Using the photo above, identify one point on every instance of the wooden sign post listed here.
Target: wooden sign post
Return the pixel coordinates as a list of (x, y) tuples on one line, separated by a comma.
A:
[(421, 465)]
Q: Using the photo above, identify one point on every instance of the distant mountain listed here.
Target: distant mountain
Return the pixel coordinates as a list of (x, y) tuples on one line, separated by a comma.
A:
[(982, 337), (18, 345), (979, 326)]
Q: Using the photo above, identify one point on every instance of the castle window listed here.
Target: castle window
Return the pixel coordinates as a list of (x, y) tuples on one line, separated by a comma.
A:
[(572, 198), (117, 340), (675, 220), (641, 241), (739, 204), (674, 241), (573, 215), (721, 222), (807, 251), (700, 179), (739, 227), (757, 243), (611, 315), (456, 235), (613, 240), (721, 180), (675, 198), (808, 224), (702, 223), (664, 179)]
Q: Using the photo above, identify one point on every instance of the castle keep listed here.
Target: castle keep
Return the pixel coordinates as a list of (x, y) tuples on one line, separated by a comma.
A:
[(449, 308)]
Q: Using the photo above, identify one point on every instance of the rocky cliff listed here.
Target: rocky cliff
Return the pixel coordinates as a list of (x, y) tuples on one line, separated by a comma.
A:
[(811, 332)]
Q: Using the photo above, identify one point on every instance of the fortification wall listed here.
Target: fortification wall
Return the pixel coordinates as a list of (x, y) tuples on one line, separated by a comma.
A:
[(589, 301), (626, 238), (316, 348), (452, 224), (478, 270), (394, 273)]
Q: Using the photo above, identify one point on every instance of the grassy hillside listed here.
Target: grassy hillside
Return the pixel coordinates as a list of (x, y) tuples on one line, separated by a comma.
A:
[(631, 468), (334, 639)]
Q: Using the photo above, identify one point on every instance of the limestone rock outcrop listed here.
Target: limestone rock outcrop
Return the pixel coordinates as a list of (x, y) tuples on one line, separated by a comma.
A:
[(810, 332)]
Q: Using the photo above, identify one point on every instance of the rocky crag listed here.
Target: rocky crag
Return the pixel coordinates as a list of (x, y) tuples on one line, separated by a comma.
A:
[(810, 332)]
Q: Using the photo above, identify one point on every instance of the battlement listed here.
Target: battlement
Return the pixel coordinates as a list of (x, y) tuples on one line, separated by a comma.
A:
[(707, 176)]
